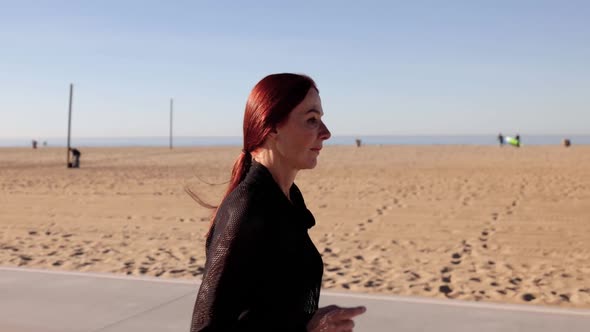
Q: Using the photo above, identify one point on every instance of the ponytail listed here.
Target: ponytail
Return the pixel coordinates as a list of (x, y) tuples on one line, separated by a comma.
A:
[(238, 174)]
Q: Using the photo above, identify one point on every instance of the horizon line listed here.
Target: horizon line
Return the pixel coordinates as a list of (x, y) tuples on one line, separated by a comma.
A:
[(342, 135)]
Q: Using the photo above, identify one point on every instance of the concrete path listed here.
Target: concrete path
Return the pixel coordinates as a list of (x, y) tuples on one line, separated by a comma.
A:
[(50, 301)]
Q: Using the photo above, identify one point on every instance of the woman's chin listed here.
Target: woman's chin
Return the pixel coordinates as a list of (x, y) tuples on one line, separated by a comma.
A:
[(311, 163)]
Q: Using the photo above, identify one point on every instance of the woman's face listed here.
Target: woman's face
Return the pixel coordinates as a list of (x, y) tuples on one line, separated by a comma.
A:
[(299, 139)]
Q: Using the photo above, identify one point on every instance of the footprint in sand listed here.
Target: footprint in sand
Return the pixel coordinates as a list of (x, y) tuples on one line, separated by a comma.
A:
[(466, 248), (456, 259), (78, 252), (329, 280), (372, 284), (412, 276), (528, 297), (25, 259), (445, 289), (200, 270), (333, 269), (484, 238), (465, 201), (346, 263), (328, 250), (446, 270)]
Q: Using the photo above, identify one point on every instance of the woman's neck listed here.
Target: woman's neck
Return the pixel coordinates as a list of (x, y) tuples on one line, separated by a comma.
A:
[(283, 174)]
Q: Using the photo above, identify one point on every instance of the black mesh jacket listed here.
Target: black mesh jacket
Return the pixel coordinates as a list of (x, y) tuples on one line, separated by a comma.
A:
[(263, 272)]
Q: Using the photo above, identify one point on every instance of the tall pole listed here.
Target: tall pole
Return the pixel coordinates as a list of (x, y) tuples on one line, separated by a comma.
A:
[(171, 111), (70, 123)]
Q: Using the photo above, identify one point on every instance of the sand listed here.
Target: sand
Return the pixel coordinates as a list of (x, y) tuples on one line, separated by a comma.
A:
[(463, 222)]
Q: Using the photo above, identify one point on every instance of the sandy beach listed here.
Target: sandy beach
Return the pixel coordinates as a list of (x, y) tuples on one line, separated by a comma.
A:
[(468, 222)]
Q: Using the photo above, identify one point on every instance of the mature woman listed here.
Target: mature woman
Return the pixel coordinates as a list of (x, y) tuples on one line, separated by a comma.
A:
[(263, 272)]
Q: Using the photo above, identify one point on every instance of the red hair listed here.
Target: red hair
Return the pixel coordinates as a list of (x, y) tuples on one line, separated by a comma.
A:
[(268, 106)]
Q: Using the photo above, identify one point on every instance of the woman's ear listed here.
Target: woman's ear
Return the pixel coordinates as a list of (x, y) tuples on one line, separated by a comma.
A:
[(273, 133)]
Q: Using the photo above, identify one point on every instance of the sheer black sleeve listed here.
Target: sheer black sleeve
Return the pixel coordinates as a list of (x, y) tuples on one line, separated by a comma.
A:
[(240, 290)]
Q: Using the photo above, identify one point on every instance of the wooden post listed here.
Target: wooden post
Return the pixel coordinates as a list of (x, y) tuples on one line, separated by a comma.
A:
[(70, 123), (171, 112)]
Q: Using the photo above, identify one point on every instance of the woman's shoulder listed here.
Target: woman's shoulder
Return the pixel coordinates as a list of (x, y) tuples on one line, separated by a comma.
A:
[(243, 207), (245, 197)]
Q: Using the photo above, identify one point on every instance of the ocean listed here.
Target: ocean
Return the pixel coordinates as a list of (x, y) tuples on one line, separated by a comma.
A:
[(187, 141)]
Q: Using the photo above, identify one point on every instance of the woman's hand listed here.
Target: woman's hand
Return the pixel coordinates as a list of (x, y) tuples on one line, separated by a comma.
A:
[(334, 319)]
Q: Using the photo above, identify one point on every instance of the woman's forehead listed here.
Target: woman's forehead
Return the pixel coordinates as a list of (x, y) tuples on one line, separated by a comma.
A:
[(311, 103)]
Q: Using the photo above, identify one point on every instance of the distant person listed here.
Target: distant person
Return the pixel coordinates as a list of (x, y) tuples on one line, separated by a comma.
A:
[(75, 158), (517, 137), (358, 142), (501, 139), (34, 143), (262, 270), (566, 142)]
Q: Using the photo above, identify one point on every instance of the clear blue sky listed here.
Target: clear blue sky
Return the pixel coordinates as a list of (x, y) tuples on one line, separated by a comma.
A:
[(383, 68)]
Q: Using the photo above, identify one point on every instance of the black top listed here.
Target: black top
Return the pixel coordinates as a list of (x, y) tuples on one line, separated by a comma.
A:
[(263, 272)]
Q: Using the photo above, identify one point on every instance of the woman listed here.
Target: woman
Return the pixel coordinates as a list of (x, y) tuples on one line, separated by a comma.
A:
[(263, 272)]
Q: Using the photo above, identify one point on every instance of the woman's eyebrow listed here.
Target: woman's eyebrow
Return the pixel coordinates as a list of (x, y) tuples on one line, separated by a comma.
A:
[(313, 110)]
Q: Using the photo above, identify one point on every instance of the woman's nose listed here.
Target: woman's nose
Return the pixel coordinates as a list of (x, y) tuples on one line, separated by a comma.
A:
[(324, 132)]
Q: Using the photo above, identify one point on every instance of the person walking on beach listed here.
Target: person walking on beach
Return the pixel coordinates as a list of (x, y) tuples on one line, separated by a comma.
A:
[(76, 158), (262, 270), (501, 139)]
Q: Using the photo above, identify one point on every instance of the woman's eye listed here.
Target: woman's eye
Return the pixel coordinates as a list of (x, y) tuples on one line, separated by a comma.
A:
[(312, 121)]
